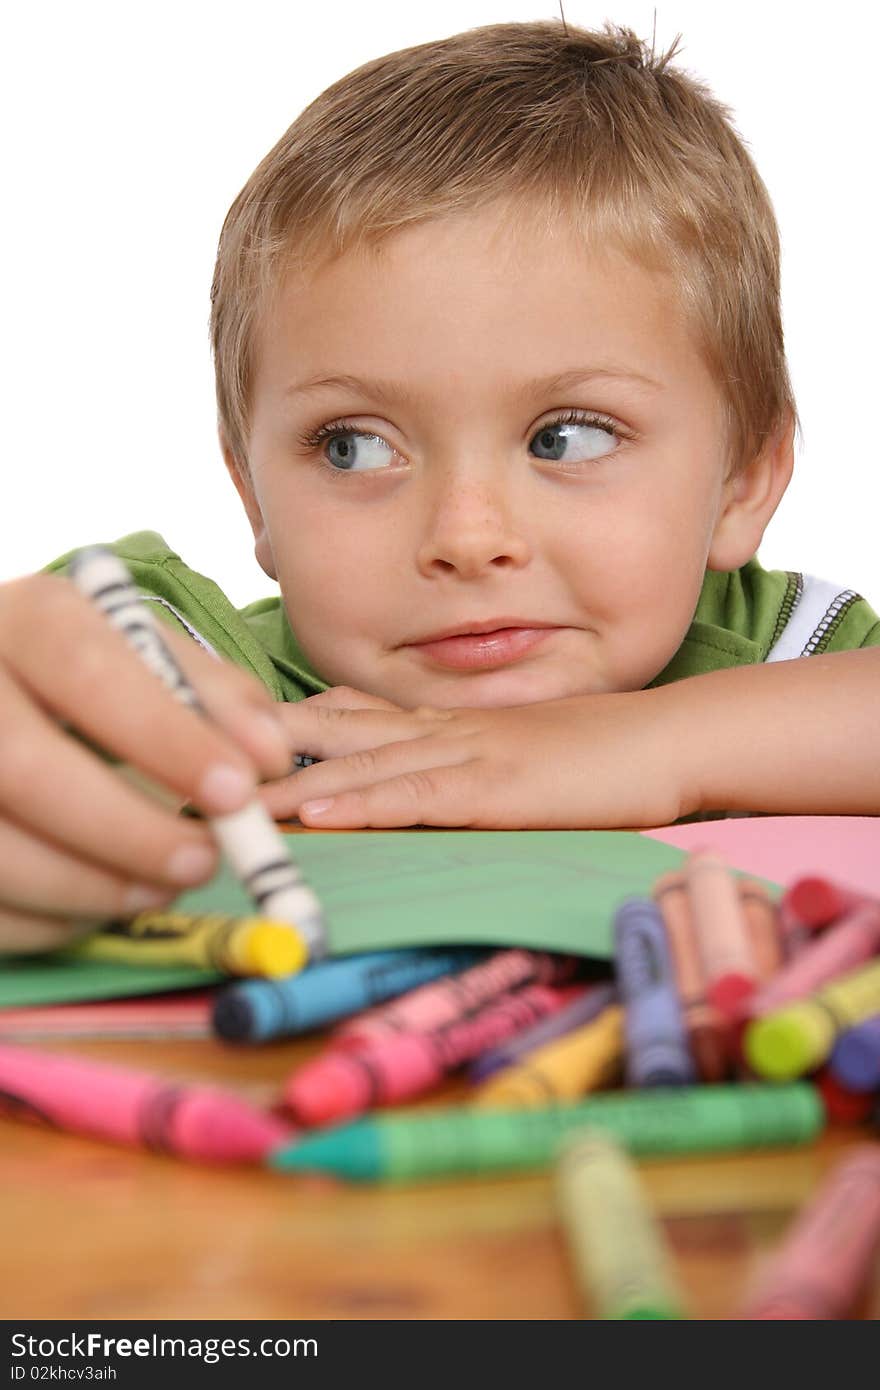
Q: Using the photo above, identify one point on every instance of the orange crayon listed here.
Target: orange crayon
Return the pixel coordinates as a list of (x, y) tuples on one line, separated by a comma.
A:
[(827, 1255), (705, 1027), (763, 927)]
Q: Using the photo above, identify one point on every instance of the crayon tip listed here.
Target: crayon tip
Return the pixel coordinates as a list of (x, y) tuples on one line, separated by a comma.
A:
[(234, 1015), (224, 1129), (270, 949), (332, 1087), (349, 1151)]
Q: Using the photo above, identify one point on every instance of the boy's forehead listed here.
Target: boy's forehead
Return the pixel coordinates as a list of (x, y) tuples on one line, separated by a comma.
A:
[(481, 288)]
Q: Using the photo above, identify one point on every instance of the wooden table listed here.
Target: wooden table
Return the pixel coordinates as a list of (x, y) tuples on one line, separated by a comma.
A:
[(93, 1231)]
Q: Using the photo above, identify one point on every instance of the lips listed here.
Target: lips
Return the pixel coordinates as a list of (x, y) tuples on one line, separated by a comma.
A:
[(484, 649)]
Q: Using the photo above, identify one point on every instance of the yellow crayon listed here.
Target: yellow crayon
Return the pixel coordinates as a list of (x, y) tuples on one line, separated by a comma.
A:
[(616, 1244), (568, 1067), (233, 945), (794, 1040)]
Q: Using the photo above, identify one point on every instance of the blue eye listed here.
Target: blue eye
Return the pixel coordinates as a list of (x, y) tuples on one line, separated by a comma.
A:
[(560, 438), (357, 451)]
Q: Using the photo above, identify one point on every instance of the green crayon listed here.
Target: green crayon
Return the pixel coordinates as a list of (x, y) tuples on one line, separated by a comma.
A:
[(616, 1244), (792, 1041), (464, 1139)]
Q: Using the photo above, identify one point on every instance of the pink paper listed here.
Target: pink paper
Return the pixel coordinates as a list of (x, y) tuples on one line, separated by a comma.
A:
[(783, 848)]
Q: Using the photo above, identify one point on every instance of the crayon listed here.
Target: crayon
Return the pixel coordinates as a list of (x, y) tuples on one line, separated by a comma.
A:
[(465, 1139), (850, 942), (184, 1015), (616, 1245), (589, 1005), (706, 1030), (723, 937), (763, 927), (875, 1114), (263, 1009), (233, 945), (249, 838), (816, 902), (445, 1001), (842, 1106), (383, 1071), (135, 1107), (585, 1060), (855, 1061), (828, 1252), (797, 1039), (656, 1046)]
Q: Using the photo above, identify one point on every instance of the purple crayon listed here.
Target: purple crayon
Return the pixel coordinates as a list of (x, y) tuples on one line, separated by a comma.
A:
[(594, 1000), (657, 1052), (855, 1061)]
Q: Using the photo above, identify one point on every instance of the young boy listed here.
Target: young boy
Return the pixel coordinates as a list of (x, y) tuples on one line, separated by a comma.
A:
[(502, 387)]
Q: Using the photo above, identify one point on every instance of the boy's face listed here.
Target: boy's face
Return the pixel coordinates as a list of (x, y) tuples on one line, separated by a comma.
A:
[(454, 502)]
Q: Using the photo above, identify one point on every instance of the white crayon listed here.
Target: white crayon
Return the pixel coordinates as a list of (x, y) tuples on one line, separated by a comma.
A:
[(248, 837)]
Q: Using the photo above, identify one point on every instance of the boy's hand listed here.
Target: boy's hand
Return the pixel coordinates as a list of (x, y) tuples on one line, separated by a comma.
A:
[(78, 841), (598, 761)]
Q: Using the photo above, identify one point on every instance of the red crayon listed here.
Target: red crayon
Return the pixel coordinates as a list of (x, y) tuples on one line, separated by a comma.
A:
[(135, 1107), (842, 1107), (849, 943), (441, 1002), (816, 902), (382, 1071), (827, 1254)]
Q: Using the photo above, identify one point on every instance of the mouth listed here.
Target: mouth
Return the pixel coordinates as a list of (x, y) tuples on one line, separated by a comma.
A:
[(482, 646)]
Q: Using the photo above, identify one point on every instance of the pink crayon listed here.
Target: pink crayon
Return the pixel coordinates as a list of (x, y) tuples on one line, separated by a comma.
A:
[(815, 902), (722, 933), (848, 944), (135, 1107), (828, 1253), (443, 1001), (346, 1080)]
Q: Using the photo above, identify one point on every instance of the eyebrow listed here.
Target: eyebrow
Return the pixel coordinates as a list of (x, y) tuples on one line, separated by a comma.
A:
[(390, 391)]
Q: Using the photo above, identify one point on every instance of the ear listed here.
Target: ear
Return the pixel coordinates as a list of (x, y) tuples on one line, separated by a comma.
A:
[(245, 489), (750, 499)]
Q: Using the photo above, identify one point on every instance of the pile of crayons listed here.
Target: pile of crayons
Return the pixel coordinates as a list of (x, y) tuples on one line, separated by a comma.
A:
[(725, 1021)]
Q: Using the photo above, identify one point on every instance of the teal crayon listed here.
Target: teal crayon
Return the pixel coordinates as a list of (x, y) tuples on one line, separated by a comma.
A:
[(461, 1140)]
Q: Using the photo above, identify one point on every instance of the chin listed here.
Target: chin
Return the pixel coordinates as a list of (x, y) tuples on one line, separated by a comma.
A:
[(494, 690)]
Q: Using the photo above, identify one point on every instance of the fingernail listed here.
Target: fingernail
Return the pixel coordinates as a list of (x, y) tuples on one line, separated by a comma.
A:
[(225, 787), (317, 808), (141, 896), (191, 863)]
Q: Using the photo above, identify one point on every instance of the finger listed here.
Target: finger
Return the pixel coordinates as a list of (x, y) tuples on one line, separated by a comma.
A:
[(76, 664), (331, 731), (438, 796), (236, 702), (358, 770), (346, 697), (41, 878), (53, 787), (22, 932)]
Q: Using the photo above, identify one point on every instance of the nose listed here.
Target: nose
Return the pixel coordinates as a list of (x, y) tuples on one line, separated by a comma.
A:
[(471, 528)]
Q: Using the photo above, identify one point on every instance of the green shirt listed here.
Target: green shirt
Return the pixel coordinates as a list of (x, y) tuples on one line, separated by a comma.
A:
[(742, 617)]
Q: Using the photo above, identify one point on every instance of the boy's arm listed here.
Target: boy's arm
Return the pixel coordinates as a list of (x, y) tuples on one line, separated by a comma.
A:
[(797, 737), (788, 737)]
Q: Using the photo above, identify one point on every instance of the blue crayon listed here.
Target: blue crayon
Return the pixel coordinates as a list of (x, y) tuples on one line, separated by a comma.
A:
[(855, 1060), (589, 1006), (258, 1010), (657, 1052)]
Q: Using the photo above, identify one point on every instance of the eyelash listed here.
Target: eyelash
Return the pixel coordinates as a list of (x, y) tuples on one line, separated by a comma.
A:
[(314, 438)]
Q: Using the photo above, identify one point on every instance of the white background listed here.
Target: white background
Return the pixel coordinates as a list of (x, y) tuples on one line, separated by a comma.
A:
[(129, 129)]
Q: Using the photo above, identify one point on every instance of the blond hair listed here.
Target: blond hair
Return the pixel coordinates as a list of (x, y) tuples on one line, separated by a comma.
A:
[(589, 125)]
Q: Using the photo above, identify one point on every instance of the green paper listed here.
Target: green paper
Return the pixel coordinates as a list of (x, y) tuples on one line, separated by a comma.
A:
[(53, 979), (555, 889)]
